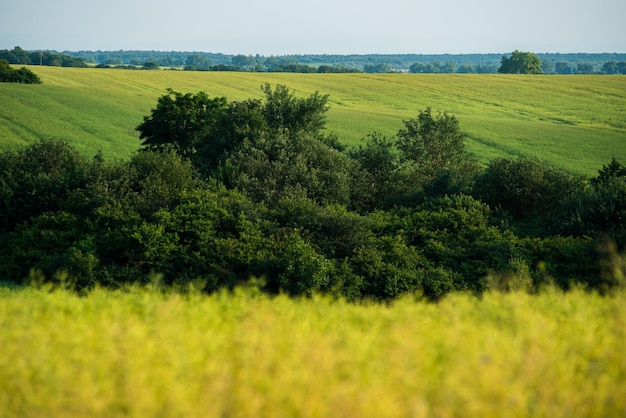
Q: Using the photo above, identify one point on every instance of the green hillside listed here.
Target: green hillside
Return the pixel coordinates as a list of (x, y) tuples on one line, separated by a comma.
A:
[(577, 122)]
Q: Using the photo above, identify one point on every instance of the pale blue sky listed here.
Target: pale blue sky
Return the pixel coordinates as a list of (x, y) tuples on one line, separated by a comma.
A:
[(281, 27)]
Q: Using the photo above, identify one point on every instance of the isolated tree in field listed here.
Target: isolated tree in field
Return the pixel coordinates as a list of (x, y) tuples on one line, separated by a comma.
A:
[(520, 63)]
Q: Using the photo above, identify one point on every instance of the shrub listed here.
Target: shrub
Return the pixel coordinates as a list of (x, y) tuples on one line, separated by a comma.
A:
[(23, 75), (524, 187)]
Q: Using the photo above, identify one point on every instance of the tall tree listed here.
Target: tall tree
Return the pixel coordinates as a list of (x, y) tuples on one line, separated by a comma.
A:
[(520, 63), (180, 121), (433, 150)]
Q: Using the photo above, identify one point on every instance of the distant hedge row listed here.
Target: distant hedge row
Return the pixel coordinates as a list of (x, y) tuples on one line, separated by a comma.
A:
[(19, 56)]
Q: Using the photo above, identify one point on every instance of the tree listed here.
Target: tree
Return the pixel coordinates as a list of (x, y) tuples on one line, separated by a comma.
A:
[(284, 165), (197, 62), (610, 67), (180, 121), (433, 152), (547, 66), (378, 159), (377, 68), (520, 63), (614, 172), (150, 65), (245, 62), (562, 68), (584, 68), (284, 111), (281, 115), (23, 75), (525, 187)]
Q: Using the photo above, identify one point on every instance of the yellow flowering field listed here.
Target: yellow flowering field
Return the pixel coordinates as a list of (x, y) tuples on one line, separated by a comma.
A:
[(144, 353)]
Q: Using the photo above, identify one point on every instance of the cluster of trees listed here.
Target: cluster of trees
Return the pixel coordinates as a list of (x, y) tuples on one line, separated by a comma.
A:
[(584, 63), (435, 67), (370, 63), (23, 75), (609, 67), (19, 56), (225, 191), (529, 63), (148, 65)]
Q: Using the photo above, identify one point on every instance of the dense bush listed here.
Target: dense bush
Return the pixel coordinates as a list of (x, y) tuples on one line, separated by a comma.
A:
[(23, 75), (225, 192), (525, 188)]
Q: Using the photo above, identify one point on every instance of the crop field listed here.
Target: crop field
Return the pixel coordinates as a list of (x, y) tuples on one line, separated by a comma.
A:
[(575, 122), (144, 353)]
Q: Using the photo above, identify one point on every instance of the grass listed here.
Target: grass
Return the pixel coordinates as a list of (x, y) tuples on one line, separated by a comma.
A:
[(576, 122), (141, 353)]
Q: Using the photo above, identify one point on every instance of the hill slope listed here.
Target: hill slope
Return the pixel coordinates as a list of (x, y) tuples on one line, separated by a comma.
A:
[(576, 122)]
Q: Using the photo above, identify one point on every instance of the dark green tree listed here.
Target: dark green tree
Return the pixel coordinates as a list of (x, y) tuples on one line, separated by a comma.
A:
[(613, 172), (379, 161), (433, 154), (610, 67), (180, 121), (584, 68), (284, 111), (197, 62), (23, 75), (600, 210), (245, 62), (525, 188), (285, 164), (562, 68), (520, 63)]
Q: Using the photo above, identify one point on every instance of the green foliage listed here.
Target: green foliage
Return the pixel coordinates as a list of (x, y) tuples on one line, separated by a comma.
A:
[(240, 122), (459, 235), (564, 261), (23, 75), (290, 165), (520, 63), (19, 56), (600, 210), (227, 191), (38, 179), (180, 121), (389, 267), (377, 180), (612, 173), (298, 268), (525, 188), (284, 111), (433, 154)]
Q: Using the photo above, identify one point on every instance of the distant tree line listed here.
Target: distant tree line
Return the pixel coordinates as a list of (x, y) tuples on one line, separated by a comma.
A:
[(22, 75), (19, 56), (551, 63), (582, 63), (225, 191)]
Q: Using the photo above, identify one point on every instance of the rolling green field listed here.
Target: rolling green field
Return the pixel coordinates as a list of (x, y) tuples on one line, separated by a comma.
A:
[(142, 353), (576, 122)]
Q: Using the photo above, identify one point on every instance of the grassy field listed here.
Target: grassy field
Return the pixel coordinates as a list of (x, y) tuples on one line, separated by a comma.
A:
[(141, 353), (576, 122)]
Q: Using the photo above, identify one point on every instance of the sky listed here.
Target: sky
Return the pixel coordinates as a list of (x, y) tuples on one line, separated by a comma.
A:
[(286, 27)]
